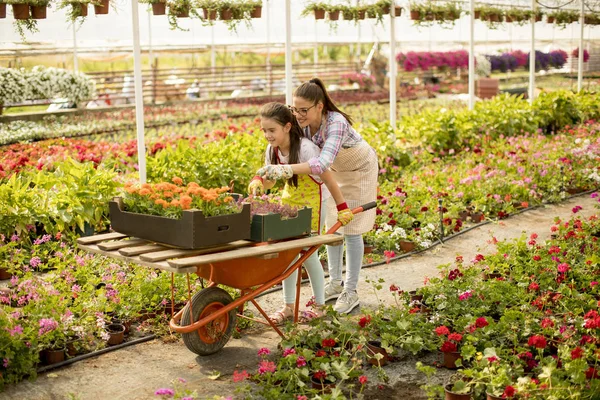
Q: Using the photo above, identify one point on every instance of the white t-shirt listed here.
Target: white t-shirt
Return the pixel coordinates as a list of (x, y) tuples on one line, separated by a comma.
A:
[(308, 150)]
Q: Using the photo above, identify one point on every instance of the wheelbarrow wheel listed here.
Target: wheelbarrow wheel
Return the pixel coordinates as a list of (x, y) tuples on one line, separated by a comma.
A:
[(209, 338)]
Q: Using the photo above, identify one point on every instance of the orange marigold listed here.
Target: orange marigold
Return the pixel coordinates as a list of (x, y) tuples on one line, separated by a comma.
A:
[(177, 180), (145, 192)]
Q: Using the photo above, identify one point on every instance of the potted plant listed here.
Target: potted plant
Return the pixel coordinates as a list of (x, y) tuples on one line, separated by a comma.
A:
[(562, 18), (317, 8), (75, 8), (38, 8), (209, 9), (493, 16), (518, 15), (2, 9), (101, 6), (159, 7)]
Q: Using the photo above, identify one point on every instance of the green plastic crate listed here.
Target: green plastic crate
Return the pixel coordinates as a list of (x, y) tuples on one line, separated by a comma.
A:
[(269, 227)]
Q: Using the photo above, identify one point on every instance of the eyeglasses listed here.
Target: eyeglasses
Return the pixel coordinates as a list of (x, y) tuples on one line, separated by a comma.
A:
[(301, 111)]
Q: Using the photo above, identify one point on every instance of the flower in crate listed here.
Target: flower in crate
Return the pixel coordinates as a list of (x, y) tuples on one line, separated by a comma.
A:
[(171, 199), (269, 204)]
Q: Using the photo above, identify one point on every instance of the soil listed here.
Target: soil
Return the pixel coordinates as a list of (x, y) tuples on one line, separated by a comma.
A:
[(136, 372)]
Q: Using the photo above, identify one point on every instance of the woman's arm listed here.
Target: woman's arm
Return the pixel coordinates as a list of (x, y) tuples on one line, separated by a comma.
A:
[(333, 187), (268, 184)]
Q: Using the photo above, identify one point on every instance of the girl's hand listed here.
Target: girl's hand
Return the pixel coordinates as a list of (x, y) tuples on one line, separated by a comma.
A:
[(256, 186), (274, 172), (345, 215)]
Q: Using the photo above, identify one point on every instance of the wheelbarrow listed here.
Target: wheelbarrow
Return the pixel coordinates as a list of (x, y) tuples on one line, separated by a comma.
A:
[(208, 319)]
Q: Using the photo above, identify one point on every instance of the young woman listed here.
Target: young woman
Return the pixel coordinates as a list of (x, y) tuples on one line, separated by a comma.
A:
[(354, 166), (288, 146)]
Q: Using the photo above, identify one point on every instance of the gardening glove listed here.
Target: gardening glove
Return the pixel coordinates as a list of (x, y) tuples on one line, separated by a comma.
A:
[(256, 186), (275, 172), (344, 215)]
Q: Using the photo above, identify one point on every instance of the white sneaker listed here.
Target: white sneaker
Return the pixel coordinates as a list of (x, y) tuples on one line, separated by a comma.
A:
[(333, 290), (346, 302)]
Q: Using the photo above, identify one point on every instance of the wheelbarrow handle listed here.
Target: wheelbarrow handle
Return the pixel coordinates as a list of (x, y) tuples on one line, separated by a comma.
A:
[(364, 207)]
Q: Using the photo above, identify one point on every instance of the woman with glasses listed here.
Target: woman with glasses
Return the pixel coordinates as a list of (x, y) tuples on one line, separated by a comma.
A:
[(354, 166)]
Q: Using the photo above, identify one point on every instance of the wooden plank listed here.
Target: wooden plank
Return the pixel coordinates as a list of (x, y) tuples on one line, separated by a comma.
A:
[(179, 253), (255, 251), (136, 251), (159, 265), (109, 246), (100, 238)]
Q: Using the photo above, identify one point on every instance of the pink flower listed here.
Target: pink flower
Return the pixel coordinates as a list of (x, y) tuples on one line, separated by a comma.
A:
[(300, 362), (481, 322), (457, 337), (266, 366), (301, 397), (388, 254), (576, 209), (263, 351), (564, 267), (165, 392), (17, 330), (288, 351), (466, 295)]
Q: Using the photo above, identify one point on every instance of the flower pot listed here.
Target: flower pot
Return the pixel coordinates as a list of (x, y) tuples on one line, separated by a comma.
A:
[(477, 14), (449, 395), (464, 215), (324, 386), (38, 12), (508, 19), (425, 309), (450, 359), (334, 15), (385, 10), (371, 14), (319, 14), (71, 348), (183, 13), (2, 15), (492, 397), (406, 245), (226, 14), (256, 13), (348, 16), (117, 334), (20, 11), (4, 274), (52, 356), (397, 11), (493, 18), (169, 307), (414, 296), (369, 248), (538, 18), (551, 19), (101, 9), (374, 347), (159, 8), (415, 15), (80, 9), (477, 217), (210, 14), (361, 14)]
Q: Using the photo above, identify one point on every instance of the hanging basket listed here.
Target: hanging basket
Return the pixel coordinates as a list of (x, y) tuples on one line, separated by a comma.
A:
[(551, 19), (257, 12), (159, 8), (226, 14), (80, 9), (2, 10), (38, 12), (102, 8), (397, 11), (415, 15), (210, 15), (477, 14), (334, 15), (385, 10), (183, 13), (319, 14), (20, 11)]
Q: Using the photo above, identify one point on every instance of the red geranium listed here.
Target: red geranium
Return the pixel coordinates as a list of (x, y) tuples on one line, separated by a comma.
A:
[(537, 341)]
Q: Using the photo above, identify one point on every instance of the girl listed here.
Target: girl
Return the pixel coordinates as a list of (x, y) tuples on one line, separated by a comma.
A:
[(288, 146), (354, 166)]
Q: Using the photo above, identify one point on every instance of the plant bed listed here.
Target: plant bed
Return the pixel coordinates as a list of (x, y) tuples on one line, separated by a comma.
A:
[(269, 227), (192, 231)]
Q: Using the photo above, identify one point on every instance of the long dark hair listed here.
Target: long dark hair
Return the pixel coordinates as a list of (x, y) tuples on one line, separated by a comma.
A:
[(281, 114), (314, 91)]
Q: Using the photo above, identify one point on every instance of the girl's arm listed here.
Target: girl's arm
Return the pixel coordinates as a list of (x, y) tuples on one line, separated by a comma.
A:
[(333, 187), (333, 142), (268, 184)]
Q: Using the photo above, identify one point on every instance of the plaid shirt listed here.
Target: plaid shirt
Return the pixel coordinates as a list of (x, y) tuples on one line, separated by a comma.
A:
[(334, 133)]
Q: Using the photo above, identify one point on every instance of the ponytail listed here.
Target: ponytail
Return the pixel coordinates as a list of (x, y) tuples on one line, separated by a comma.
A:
[(314, 91)]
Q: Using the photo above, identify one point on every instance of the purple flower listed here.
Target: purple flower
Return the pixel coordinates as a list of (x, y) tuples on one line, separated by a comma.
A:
[(47, 325), (35, 261), (5, 363), (17, 330)]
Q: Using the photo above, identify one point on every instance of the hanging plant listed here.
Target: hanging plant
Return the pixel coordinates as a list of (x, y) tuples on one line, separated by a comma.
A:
[(317, 8), (180, 9), (492, 16), (426, 14), (75, 9), (562, 18), (38, 8), (159, 7), (101, 6), (539, 15), (518, 16), (2, 10), (591, 19)]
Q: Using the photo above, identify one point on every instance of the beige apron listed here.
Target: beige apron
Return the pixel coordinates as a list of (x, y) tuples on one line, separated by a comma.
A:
[(355, 170)]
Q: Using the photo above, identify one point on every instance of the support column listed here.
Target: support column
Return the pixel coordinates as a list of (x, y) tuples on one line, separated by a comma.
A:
[(139, 98), (471, 54), (532, 56)]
